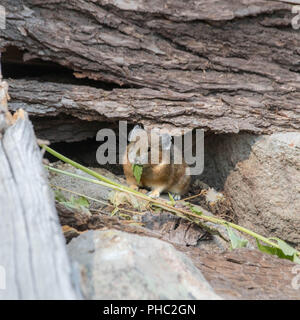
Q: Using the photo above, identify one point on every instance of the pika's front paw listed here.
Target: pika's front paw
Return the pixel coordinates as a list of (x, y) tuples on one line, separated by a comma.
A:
[(154, 194), (176, 196), (134, 187)]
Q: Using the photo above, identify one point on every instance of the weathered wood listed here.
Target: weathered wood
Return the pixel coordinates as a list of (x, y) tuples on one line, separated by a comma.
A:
[(3, 105), (32, 251), (224, 66), (247, 274), (150, 107)]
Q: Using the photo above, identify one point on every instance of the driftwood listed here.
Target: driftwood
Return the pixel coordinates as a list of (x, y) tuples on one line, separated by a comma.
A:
[(225, 66), (33, 257)]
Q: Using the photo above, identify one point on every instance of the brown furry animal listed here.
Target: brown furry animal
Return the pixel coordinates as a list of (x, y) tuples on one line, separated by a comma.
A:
[(156, 154)]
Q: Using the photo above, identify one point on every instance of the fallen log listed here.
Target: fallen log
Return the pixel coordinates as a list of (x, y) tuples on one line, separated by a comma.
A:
[(33, 257), (220, 113), (225, 66)]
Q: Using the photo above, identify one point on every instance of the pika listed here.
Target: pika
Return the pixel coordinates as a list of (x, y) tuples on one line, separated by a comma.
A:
[(156, 154)]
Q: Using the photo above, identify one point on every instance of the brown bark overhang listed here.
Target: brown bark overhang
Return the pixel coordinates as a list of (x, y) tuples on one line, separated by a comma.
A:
[(221, 65)]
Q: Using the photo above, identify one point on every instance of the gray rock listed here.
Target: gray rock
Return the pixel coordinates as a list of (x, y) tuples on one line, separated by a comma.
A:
[(261, 176), (95, 191), (118, 265)]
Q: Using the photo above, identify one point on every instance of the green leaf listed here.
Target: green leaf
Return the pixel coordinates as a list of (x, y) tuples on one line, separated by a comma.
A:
[(267, 249), (59, 196), (278, 251), (296, 258), (137, 172), (69, 205), (286, 249), (236, 241), (195, 210), (172, 201), (81, 201)]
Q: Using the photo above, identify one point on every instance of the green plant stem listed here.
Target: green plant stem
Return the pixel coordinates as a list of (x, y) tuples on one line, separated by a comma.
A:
[(86, 170), (158, 203), (80, 195), (114, 186)]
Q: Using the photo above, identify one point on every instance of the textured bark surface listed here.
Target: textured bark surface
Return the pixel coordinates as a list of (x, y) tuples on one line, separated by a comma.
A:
[(248, 274), (33, 257), (148, 106), (224, 66)]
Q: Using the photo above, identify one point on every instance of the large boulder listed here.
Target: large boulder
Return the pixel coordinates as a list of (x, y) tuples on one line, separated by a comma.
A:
[(119, 265), (261, 176)]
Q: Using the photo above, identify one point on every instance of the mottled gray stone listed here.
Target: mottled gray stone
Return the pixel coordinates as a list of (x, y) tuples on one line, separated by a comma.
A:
[(118, 265), (261, 176)]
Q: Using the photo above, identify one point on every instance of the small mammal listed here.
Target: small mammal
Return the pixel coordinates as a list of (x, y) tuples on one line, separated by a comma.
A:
[(161, 176)]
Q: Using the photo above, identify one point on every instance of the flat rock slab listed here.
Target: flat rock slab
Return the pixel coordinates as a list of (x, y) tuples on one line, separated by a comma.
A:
[(117, 265)]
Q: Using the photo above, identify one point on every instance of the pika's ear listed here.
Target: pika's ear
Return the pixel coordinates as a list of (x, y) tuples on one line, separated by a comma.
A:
[(166, 141), (134, 132)]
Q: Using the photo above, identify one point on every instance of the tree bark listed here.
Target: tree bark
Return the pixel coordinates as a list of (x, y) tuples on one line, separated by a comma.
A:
[(161, 108), (224, 66)]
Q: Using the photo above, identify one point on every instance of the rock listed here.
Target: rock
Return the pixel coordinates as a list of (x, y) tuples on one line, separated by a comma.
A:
[(119, 265), (95, 191), (115, 265), (261, 177)]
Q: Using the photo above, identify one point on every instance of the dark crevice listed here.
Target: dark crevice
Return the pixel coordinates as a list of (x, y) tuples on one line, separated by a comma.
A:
[(65, 128), (176, 225), (84, 147), (68, 129), (83, 152), (14, 67)]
